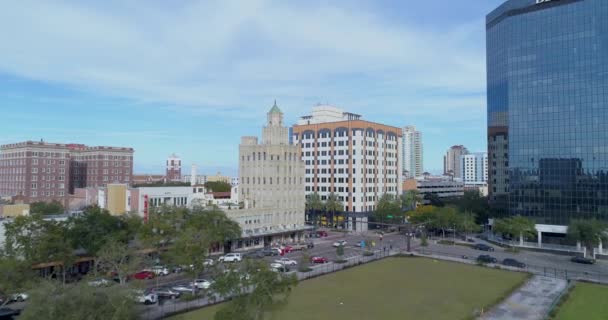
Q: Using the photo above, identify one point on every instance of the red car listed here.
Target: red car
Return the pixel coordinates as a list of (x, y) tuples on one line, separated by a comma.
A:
[(287, 249), (143, 275), (322, 233), (319, 260)]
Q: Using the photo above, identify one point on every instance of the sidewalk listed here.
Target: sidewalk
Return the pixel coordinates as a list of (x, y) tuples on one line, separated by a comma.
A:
[(530, 302)]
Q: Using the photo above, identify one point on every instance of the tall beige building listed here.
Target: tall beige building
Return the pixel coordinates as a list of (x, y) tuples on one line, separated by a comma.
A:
[(271, 175), (451, 161)]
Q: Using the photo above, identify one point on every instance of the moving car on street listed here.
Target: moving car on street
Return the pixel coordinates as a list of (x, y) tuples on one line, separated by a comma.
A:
[(319, 260), (340, 243), (483, 247), (583, 260), (164, 292), (202, 283), (286, 262), (185, 288), (513, 263), (484, 258), (145, 297)]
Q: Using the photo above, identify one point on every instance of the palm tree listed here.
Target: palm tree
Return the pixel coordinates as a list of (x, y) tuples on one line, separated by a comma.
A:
[(410, 199), (333, 205), (314, 205), (516, 226), (588, 232)]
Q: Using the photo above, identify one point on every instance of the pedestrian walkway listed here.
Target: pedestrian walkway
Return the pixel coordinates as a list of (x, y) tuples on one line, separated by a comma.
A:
[(530, 302)]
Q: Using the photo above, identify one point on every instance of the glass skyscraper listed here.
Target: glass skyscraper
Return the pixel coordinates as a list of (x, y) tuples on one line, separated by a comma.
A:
[(547, 63)]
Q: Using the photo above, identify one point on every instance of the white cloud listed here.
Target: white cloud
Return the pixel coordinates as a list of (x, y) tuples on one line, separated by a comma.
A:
[(219, 56)]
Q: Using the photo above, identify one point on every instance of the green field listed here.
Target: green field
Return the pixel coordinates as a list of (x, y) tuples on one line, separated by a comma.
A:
[(398, 288), (587, 301)]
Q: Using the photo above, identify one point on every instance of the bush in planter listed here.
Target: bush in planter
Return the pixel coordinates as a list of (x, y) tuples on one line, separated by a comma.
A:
[(304, 269), (368, 254), (340, 260), (446, 242)]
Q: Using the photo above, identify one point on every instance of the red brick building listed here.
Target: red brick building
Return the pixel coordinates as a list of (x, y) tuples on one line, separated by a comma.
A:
[(42, 171)]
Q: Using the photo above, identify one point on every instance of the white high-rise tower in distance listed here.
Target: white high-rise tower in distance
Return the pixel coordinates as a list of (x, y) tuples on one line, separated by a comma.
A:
[(412, 152)]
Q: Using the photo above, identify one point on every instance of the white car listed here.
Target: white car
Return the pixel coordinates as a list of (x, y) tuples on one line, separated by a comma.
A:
[(202, 283), (278, 267), (286, 262), (208, 262), (160, 270), (340, 243), (99, 283), (145, 297), (231, 257), (19, 297)]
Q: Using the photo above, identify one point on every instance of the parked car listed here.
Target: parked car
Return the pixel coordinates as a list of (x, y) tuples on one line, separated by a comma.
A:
[(208, 262), (483, 247), (484, 258), (231, 257), (160, 270), (177, 269), (322, 234), (583, 260), (165, 292), (202, 283), (340, 243), (254, 254), (286, 262), (513, 263), (143, 275), (185, 288), (319, 260), (287, 249), (99, 283), (145, 297)]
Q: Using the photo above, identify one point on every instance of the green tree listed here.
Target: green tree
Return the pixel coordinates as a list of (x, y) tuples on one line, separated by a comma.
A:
[(256, 292), (218, 186), (313, 206), (200, 231), (79, 301), (446, 218), (388, 209), (333, 205), (516, 226), (46, 208), (588, 232), (410, 199), (38, 240), (434, 199), (118, 259), (304, 263), (467, 223), (16, 275), (95, 226)]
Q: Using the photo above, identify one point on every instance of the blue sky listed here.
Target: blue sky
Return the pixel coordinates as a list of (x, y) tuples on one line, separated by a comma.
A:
[(192, 77)]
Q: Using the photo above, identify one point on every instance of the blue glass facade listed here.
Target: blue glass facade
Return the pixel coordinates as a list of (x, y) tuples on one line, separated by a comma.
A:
[(547, 80)]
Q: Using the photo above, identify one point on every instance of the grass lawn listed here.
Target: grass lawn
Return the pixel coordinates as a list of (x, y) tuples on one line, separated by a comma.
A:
[(587, 301), (397, 288)]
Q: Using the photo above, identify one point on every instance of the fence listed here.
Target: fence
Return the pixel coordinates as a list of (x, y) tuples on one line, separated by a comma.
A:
[(171, 307), (533, 245), (559, 273)]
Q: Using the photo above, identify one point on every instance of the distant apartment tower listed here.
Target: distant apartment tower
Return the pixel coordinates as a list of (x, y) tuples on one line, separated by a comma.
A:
[(357, 160), (412, 152), (474, 168), (42, 171), (174, 169), (451, 161)]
